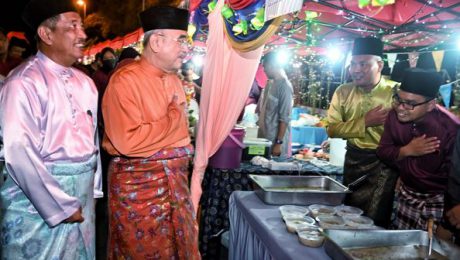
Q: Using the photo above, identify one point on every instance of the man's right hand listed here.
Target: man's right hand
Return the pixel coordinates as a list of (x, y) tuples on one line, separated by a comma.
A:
[(75, 218), (420, 146), (376, 116)]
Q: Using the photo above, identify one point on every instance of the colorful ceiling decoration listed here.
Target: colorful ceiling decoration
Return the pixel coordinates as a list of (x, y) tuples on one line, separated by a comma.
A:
[(404, 25)]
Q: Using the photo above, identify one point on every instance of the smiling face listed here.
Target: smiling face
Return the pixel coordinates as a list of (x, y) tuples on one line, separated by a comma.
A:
[(171, 47), (365, 70), (65, 42), (404, 112)]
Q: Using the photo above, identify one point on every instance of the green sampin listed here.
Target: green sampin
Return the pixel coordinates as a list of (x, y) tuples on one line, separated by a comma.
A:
[(241, 27), (363, 3), (258, 21), (310, 15), (382, 2), (227, 13), (212, 6)]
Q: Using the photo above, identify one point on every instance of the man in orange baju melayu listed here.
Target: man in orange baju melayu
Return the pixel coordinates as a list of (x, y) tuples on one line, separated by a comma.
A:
[(150, 212)]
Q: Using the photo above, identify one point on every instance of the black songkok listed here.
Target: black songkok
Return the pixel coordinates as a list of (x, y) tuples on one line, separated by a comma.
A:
[(164, 17), (421, 82), (37, 11), (367, 46)]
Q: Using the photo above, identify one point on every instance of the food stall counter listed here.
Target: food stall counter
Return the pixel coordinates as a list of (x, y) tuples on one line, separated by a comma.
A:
[(257, 231)]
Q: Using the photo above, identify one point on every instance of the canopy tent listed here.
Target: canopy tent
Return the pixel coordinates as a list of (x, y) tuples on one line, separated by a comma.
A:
[(406, 25)]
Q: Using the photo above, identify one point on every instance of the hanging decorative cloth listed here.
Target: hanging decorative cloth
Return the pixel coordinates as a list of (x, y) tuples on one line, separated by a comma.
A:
[(201, 12), (194, 5), (239, 4), (245, 27), (269, 29)]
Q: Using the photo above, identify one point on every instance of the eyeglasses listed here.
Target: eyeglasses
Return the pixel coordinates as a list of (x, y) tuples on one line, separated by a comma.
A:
[(183, 42), (397, 101)]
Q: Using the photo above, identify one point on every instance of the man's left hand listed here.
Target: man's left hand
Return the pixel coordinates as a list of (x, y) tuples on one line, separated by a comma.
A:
[(453, 215), (276, 150)]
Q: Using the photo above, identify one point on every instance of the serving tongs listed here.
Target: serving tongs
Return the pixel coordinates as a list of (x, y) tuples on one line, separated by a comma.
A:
[(430, 237), (352, 186)]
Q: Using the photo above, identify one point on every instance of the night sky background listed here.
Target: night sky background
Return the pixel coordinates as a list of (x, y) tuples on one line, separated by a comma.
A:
[(105, 19)]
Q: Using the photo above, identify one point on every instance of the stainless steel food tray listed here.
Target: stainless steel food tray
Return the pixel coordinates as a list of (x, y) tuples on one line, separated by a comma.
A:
[(298, 190), (385, 244)]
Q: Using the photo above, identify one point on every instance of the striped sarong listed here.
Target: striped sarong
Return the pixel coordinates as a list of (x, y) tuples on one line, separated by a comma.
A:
[(413, 209), (150, 212), (375, 195)]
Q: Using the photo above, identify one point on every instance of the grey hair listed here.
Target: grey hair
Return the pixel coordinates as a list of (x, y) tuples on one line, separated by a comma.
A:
[(147, 36), (50, 23)]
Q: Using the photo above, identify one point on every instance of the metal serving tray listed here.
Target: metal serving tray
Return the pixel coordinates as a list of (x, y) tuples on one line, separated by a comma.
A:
[(298, 190), (386, 244)]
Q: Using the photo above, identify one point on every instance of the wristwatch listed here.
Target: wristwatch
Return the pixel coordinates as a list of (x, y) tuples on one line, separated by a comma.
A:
[(278, 141)]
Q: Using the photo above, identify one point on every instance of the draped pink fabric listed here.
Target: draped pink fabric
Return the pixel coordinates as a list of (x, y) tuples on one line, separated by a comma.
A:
[(261, 77), (227, 79)]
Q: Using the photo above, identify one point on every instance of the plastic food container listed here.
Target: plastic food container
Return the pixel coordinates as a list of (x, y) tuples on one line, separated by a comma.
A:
[(307, 227), (291, 211), (308, 220), (292, 224), (358, 221), (331, 222), (311, 238), (318, 210), (343, 210)]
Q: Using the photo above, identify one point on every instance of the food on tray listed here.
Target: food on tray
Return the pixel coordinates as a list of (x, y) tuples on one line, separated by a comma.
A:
[(293, 211), (343, 210), (311, 238), (317, 210), (331, 222), (320, 154), (358, 221), (308, 227), (309, 220), (305, 154), (292, 224)]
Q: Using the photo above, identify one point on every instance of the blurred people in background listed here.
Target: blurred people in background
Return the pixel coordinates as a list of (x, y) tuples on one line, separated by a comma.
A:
[(3, 52), (95, 65), (191, 88), (108, 60), (17, 49), (357, 113), (275, 107), (254, 94), (3, 44), (127, 56)]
